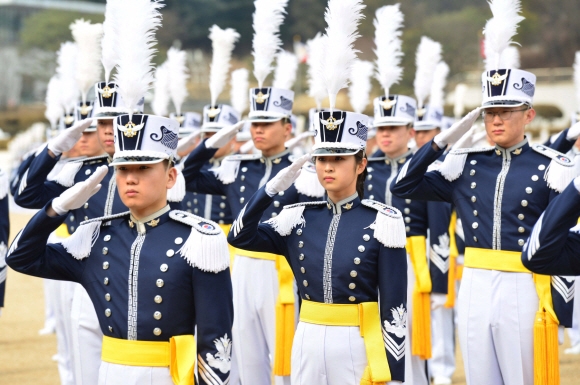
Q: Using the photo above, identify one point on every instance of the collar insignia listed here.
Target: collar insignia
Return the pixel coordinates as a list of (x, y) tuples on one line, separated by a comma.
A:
[(328, 205), (402, 160), (153, 222), (518, 151), (277, 160), (348, 206), (497, 151), (131, 224), (387, 161)]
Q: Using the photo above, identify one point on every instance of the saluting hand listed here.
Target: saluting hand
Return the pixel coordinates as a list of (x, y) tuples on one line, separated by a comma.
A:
[(66, 140), (456, 131), (224, 135), (284, 179), (77, 195)]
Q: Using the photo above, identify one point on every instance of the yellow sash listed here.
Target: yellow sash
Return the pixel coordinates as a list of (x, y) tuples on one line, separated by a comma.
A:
[(62, 231), (178, 354), (256, 255), (366, 316), (546, 362), (421, 317), (453, 253)]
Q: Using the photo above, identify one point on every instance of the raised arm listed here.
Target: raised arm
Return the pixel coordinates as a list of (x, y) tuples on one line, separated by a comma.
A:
[(439, 215)]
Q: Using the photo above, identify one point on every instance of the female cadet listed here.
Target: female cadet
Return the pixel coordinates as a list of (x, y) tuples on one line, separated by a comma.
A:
[(343, 251)]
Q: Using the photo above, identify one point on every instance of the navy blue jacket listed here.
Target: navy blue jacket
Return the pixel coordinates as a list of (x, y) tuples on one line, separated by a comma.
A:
[(4, 233)]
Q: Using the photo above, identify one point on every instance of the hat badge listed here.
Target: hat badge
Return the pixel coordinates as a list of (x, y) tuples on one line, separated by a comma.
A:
[(497, 79), (260, 97), (107, 91), (388, 104), (421, 112), (331, 123), (180, 119), (213, 112), (130, 129), (69, 119), (85, 109)]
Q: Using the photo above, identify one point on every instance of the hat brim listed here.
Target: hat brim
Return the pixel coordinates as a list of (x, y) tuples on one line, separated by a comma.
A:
[(135, 160), (503, 103), (425, 127), (264, 119), (391, 123), (329, 151)]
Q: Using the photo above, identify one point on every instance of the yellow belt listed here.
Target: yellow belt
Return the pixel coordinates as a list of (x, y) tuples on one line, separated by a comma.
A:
[(421, 315), (546, 363), (178, 354), (256, 255), (366, 316), (62, 231)]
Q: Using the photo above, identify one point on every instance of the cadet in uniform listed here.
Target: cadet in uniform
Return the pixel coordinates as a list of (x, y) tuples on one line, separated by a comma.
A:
[(175, 286), (4, 233)]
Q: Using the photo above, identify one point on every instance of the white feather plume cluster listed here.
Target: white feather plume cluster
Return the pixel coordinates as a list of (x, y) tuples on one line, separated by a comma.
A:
[(161, 98), (222, 43), (54, 109), (427, 58), (286, 69), (500, 29), (342, 19), (437, 96), (388, 23), (510, 58), (240, 85), (111, 25), (577, 77), (316, 87), (136, 49), (87, 36), (177, 70), (360, 85), (459, 106), (267, 18), (66, 64)]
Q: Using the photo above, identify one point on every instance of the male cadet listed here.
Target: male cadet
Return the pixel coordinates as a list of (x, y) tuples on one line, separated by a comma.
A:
[(499, 193), (4, 233), (179, 281)]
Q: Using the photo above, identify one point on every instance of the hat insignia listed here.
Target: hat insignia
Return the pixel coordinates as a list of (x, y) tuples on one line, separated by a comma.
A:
[(130, 129), (180, 119), (387, 104), (85, 109), (260, 97), (331, 123), (107, 91), (421, 112), (213, 112), (497, 79), (68, 119)]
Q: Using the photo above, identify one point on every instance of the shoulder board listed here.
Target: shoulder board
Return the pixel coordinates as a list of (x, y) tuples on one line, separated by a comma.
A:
[(452, 167), (228, 169), (106, 218), (389, 228), (556, 156), (561, 170), (377, 159), (243, 157), (206, 247)]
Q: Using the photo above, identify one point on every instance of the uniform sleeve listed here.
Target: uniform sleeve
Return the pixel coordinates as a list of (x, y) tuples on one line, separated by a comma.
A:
[(214, 318), (553, 248), (247, 233), (31, 255), (19, 172), (393, 307), (414, 182), (196, 180), (439, 215), (34, 190), (562, 144), (4, 231)]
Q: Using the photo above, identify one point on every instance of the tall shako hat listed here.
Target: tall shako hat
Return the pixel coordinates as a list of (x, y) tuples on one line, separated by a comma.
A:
[(140, 138), (390, 110), (427, 59), (339, 132), (576, 115), (433, 115), (189, 122), (504, 86), (268, 104), (69, 91), (217, 116)]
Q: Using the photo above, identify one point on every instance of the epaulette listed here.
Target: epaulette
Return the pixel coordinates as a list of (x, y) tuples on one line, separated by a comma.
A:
[(452, 166), (228, 169), (80, 243), (561, 170), (66, 176), (435, 166), (307, 182), (389, 228), (206, 247), (290, 217)]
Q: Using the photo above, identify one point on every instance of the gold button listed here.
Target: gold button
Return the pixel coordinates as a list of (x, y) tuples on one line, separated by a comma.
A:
[(105, 251), (105, 265), (305, 283), (158, 299), (521, 229), (357, 261), (160, 283), (303, 270), (108, 312), (351, 298), (106, 281), (170, 253), (157, 331), (351, 286), (353, 273), (107, 297), (157, 315)]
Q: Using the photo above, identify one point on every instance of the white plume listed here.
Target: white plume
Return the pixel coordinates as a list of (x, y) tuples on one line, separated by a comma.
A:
[(267, 19), (286, 68), (510, 58), (54, 109), (428, 56), (87, 36), (160, 102), (437, 96), (388, 24), (136, 49), (240, 86), (111, 24), (222, 43), (342, 18), (316, 88), (66, 64), (459, 106), (177, 70), (500, 29), (360, 85), (577, 77)]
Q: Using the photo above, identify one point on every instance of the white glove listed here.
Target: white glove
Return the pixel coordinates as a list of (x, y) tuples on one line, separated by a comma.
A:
[(456, 131), (66, 140), (224, 135), (286, 176), (77, 195), (438, 300), (186, 143), (577, 183), (466, 141), (573, 132)]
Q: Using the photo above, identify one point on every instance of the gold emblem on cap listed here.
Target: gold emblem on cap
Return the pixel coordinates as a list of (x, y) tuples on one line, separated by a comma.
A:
[(331, 123), (421, 112), (85, 109), (153, 222), (213, 112), (260, 97), (130, 130), (68, 119), (388, 104), (497, 79), (107, 92), (180, 119)]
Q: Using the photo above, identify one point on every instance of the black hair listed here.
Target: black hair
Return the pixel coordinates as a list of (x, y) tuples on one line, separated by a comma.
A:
[(360, 180)]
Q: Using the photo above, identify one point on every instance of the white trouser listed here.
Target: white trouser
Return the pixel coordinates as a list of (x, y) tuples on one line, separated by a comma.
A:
[(49, 319), (61, 302), (255, 289), (415, 367), (574, 331), (496, 312), (87, 338), (114, 374), (442, 362)]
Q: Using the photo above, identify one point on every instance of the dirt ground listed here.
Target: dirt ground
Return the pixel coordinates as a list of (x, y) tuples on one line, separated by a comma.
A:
[(26, 357)]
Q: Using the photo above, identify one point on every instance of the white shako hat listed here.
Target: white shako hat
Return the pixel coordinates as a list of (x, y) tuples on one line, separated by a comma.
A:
[(313, 117), (270, 104), (218, 116), (144, 139), (507, 88), (395, 110), (340, 133), (189, 122), (108, 102), (85, 111), (429, 118)]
